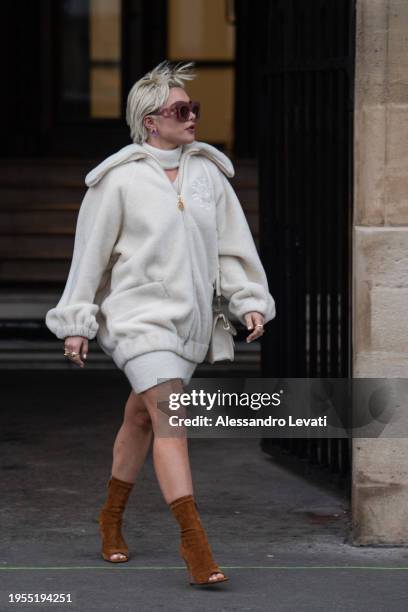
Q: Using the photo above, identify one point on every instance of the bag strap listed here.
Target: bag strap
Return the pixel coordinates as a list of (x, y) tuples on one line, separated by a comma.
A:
[(218, 286), (218, 282)]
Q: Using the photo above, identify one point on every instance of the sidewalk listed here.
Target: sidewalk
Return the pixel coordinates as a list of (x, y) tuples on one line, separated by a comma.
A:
[(281, 539)]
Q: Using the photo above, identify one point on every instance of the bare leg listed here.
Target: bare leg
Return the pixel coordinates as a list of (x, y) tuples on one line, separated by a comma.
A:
[(170, 454), (132, 443)]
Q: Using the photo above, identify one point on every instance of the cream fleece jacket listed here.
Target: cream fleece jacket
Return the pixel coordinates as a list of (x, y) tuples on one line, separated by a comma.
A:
[(143, 268)]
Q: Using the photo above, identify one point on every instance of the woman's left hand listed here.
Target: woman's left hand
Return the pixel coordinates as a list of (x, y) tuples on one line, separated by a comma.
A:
[(254, 320)]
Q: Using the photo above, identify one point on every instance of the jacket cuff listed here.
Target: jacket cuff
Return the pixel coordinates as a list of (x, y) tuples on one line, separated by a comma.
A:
[(73, 330), (265, 307)]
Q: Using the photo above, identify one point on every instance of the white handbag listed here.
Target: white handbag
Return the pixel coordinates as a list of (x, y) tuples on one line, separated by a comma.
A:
[(221, 342)]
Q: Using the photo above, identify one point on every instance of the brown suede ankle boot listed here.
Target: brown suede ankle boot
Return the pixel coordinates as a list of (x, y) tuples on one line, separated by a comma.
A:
[(110, 520), (194, 548)]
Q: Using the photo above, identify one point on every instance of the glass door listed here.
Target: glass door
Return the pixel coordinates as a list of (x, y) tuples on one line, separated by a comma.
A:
[(89, 58), (92, 53)]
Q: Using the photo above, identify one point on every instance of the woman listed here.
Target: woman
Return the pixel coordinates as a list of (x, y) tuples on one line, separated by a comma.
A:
[(155, 221)]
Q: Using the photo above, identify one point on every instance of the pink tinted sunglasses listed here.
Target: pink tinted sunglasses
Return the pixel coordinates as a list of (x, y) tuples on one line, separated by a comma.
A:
[(181, 110)]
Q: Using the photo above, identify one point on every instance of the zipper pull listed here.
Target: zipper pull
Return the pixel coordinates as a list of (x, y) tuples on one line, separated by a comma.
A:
[(180, 202)]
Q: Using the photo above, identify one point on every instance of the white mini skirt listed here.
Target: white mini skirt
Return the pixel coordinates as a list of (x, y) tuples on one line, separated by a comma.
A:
[(143, 371)]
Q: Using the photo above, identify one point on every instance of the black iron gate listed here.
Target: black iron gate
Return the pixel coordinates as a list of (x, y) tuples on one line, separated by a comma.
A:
[(305, 136)]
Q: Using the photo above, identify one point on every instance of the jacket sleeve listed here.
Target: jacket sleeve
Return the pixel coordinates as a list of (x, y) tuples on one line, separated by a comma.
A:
[(243, 278), (97, 229)]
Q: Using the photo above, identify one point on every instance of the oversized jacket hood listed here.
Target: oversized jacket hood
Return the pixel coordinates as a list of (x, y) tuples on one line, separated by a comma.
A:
[(134, 152)]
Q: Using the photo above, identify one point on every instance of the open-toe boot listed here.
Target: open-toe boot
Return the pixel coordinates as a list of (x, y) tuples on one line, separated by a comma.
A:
[(194, 548), (110, 520)]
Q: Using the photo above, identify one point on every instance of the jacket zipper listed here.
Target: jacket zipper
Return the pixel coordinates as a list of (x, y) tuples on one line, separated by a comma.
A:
[(181, 206), (180, 201)]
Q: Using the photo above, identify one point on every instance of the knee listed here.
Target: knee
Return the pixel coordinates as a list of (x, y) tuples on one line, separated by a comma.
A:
[(137, 415), (141, 419)]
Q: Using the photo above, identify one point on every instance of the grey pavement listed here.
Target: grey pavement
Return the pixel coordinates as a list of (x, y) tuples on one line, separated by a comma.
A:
[(278, 527)]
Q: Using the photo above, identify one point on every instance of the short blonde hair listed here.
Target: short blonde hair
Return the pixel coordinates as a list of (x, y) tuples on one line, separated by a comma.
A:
[(150, 92)]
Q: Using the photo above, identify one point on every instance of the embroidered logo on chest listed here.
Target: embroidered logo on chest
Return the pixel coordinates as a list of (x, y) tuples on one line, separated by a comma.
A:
[(201, 191)]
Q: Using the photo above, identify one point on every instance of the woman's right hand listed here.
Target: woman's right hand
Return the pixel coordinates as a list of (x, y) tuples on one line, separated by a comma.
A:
[(78, 345)]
